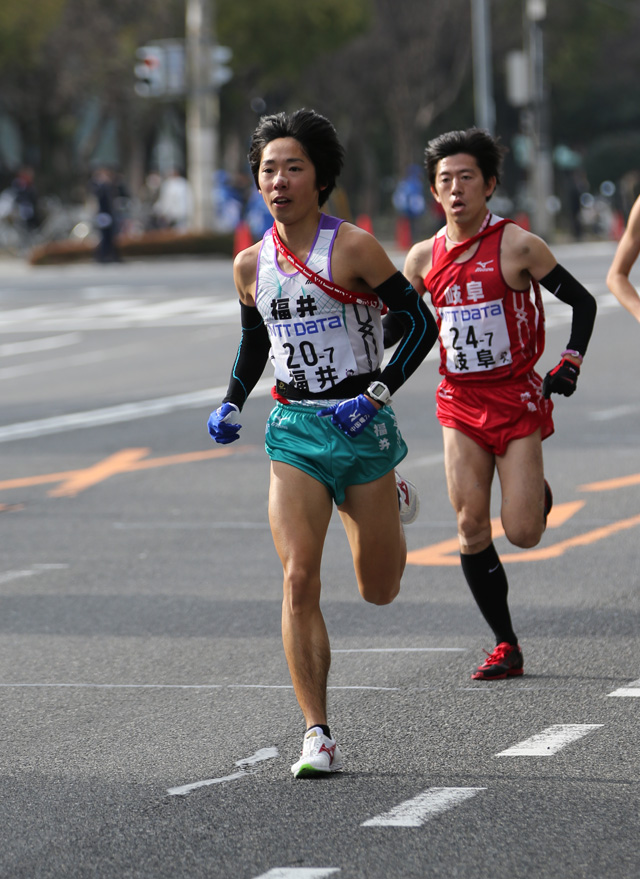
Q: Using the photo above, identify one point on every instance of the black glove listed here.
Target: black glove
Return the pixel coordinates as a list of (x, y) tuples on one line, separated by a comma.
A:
[(562, 379)]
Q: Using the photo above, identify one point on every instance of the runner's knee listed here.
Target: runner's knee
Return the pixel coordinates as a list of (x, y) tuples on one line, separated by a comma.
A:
[(380, 592), (524, 534), (474, 534)]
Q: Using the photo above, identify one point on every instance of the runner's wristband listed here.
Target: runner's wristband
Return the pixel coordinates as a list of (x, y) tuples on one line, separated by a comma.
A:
[(575, 354)]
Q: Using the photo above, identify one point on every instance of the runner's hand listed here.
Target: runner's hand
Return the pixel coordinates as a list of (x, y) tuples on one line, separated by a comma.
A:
[(562, 379), (220, 427), (351, 416)]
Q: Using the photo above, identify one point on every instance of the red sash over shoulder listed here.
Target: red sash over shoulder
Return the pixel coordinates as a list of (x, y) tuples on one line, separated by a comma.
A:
[(333, 290)]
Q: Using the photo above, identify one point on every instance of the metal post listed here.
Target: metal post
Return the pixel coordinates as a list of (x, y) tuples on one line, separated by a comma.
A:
[(202, 111), (482, 85), (541, 171)]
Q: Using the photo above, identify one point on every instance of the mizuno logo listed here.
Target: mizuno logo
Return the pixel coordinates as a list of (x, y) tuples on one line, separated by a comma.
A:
[(484, 266), (330, 751)]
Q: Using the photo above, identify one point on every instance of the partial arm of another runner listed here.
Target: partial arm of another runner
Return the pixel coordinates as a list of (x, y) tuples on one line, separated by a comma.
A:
[(626, 254), (526, 256)]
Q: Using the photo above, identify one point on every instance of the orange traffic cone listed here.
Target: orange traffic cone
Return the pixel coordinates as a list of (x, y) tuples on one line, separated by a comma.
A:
[(242, 238), (617, 226), (403, 233), (364, 222)]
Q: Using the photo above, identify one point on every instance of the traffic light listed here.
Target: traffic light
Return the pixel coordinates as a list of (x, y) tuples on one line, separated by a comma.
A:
[(220, 73), (151, 71)]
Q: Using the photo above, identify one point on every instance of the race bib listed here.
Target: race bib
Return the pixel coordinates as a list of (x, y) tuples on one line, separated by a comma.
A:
[(312, 354), (475, 337)]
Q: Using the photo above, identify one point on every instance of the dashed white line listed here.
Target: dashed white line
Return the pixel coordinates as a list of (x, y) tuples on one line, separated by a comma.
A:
[(633, 690), (299, 873), (420, 809), (400, 650), (258, 757), (550, 740)]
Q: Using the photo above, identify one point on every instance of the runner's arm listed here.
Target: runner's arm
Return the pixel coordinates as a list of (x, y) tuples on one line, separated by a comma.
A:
[(566, 288), (419, 329), (415, 268), (626, 254), (525, 256), (251, 358)]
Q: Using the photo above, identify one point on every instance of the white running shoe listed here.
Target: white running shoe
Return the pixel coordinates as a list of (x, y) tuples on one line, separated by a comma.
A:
[(408, 500), (320, 755)]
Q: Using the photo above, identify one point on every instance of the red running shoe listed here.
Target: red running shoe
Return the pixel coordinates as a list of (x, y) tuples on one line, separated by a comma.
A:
[(505, 662)]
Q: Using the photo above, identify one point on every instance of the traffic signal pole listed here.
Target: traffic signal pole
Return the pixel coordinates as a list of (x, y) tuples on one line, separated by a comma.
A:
[(202, 111)]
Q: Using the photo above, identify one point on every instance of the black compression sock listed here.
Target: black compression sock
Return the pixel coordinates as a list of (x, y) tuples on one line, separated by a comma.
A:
[(488, 583)]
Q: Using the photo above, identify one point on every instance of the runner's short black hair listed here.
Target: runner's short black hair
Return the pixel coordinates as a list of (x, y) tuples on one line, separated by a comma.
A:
[(315, 134), (486, 150)]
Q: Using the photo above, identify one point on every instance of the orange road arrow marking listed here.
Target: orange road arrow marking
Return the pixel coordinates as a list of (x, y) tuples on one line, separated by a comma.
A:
[(610, 484), (448, 551), (125, 461)]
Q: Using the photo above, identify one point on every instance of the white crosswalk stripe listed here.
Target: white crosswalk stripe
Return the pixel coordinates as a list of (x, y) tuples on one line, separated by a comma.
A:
[(299, 873), (417, 811), (119, 313), (550, 741), (632, 690)]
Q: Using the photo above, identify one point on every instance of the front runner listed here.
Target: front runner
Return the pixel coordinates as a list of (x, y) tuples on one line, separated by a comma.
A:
[(493, 407), (311, 295)]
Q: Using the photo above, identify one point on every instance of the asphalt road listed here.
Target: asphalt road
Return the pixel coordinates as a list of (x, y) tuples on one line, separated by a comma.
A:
[(146, 714)]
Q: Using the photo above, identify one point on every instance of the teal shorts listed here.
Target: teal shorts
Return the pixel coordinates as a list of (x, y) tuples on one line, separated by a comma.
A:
[(295, 435)]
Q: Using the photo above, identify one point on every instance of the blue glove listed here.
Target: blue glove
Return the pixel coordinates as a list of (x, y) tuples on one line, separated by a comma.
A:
[(220, 426), (351, 416)]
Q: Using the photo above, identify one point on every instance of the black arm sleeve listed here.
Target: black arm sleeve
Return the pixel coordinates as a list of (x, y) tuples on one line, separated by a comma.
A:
[(252, 356), (419, 327), (569, 290)]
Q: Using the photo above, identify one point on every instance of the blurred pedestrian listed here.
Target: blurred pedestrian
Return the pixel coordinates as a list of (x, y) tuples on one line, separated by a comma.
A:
[(408, 199), (625, 256), (25, 200), (173, 208), (105, 189)]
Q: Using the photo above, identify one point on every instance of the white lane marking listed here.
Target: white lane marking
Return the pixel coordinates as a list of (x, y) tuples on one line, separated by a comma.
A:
[(550, 740), (122, 412), (8, 576), (633, 689), (29, 346), (258, 757), (299, 873), (417, 811), (76, 686), (615, 412), (399, 650), (428, 460), (70, 362), (119, 313)]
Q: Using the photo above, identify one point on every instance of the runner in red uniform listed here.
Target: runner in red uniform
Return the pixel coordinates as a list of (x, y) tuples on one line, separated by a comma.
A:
[(482, 275)]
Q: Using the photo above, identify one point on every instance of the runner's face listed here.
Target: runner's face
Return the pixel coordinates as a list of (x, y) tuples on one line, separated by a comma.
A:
[(460, 187), (287, 180)]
